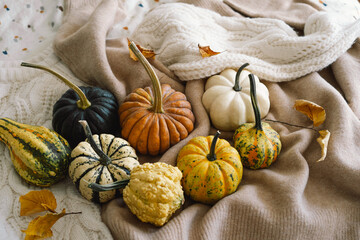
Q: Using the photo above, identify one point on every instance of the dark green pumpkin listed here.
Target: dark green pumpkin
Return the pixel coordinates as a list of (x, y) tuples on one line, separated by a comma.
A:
[(95, 105), (257, 143)]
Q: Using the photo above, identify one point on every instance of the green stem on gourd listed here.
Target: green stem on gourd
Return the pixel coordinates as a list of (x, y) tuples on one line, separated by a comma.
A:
[(157, 105), (237, 86), (83, 103), (258, 124), (104, 159), (212, 156), (110, 186)]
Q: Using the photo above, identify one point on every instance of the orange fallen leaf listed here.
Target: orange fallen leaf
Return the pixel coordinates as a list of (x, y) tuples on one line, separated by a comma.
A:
[(315, 112), (146, 52), (40, 227), (323, 140), (37, 201), (206, 51)]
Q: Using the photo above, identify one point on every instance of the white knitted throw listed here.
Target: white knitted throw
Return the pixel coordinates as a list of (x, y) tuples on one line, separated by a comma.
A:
[(273, 49), (27, 96)]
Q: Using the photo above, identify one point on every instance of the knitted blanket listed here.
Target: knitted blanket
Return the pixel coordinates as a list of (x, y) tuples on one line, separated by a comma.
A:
[(297, 197), (298, 51)]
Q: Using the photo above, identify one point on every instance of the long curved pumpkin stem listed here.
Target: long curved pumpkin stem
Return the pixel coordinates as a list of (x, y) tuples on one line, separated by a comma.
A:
[(212, 156), (258, 124), (110, 186), (237, 86), (83, 103), (104, 159), (157, 105)]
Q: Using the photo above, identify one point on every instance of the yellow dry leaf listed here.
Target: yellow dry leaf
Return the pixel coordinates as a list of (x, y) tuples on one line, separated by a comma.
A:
[(206, 51), (146, 52), (323, 140), (40, 227), (37, 201), (315, 112)]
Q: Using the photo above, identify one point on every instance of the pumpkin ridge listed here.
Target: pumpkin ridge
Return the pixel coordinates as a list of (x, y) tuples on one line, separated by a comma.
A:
[(138, 130), (165, 134), (117, 149), (222, 178), (200, 191), (179, 126), (184, 121), (167, 91), (183, 104), (78, 178), (173, 93), (174, 134), (153, 136), (96, 194), (131, 121)]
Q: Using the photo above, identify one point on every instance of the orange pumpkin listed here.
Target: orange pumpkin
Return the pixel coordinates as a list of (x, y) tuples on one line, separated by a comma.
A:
[(154, 119)]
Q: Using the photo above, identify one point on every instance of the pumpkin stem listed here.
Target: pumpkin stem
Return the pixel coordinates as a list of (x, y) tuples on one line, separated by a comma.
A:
[(212, 156), (83, 103), (237, 86), (157, 104), (104, 159), (110, 186), (258, 124)]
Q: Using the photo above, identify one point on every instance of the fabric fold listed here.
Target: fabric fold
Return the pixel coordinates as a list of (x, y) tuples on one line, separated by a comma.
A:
[(296, 197)]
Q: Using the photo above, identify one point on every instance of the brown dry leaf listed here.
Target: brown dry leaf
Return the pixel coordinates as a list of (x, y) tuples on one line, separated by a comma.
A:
[(315, 112), (323, 140), (146, 52), (40, 227), (206, 51), (37, 201)]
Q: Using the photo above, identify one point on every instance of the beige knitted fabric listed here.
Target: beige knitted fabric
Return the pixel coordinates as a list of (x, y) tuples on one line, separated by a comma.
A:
[(27, 96), (273, 49), (296, 198)]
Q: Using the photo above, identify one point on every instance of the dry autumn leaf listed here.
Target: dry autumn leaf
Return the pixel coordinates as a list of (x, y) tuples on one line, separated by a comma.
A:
[(40, 227), (323, 140), (206, 51), (146, 52), (315, 112), (37, 201)]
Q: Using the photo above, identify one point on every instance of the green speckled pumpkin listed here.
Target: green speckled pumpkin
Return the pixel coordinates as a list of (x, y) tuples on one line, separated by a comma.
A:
[(257, 143), (211, 168)]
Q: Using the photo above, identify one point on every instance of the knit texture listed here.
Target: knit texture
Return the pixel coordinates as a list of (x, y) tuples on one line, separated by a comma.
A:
[(27, 96), (273, 49)]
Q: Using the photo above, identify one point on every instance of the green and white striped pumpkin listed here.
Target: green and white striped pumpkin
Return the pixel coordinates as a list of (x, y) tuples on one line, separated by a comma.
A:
[(101, 159), (40, 155)]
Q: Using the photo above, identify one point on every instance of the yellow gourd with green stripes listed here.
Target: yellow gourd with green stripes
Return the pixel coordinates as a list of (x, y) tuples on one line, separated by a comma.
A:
[(40, 155)]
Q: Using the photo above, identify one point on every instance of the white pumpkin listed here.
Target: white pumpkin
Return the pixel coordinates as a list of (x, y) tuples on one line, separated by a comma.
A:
[(228, 104), (101, 159)]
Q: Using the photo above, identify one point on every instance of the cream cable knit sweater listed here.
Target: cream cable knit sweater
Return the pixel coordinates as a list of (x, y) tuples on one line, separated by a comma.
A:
[(27, 96), (273, 49)]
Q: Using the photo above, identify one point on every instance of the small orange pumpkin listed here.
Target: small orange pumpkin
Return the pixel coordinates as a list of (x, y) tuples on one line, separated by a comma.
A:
[(154, 119)]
